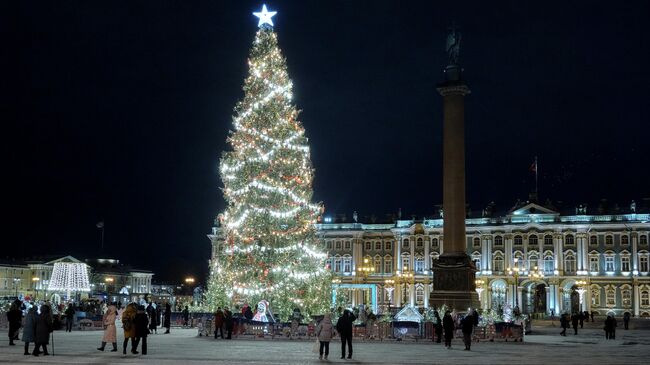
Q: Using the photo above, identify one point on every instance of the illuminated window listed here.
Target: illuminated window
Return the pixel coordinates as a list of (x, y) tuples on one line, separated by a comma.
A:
[(476, 257), (419, 264), (609, 263), (645, 298), (625, 263), (377, 264), (347, 264), (549, 264), (337, 264), (419, 294), (497, 263), (406, 262), (594, 263), (368, 245), (388, 264), (626, 297), (570, 263), (643, 263), (610, 296), (595, 296)]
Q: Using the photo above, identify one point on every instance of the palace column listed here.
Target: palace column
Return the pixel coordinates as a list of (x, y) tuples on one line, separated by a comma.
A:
[(454, 272)]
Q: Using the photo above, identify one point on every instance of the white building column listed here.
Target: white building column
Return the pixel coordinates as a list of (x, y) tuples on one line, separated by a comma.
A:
[(579, 248), (558, 300), (488, 259), (635, 239), (547, 290), (508, 252)]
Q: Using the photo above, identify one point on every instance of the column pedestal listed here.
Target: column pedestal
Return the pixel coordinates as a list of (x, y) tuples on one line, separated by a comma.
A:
[(453, 283)]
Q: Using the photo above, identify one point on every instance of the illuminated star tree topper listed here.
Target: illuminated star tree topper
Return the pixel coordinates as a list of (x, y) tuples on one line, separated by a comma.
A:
[(265, 16)]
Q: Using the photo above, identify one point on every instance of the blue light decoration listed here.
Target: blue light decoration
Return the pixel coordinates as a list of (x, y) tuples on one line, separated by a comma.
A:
[(265, 16)]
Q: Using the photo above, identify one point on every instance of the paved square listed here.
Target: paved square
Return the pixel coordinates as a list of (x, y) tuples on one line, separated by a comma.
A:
[(183, 347)]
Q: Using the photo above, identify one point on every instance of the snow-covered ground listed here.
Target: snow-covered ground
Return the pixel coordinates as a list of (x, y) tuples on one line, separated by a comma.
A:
[(545, 346)]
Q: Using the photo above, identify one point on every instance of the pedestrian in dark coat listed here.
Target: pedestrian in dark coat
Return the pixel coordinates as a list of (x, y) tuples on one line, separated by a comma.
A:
[(186, 316), (468, 326), (248, 313), (449, 327), (438, 326), (612, 335), (581, 317), (344, 328), (159, 317), (153, 318), (15, 318), (609, 328), (564, 323), (30, 326), (626, 320), (128, 325), (574, 323), (69, 318), (228, 321), (44, 326), (218, 323), (168, 317), (141, 329), (592, 316)]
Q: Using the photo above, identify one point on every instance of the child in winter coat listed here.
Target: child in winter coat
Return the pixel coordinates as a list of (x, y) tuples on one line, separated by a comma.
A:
[(325, 332)]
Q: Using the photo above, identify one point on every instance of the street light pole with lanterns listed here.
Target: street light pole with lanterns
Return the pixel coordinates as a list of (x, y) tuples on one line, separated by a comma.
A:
[(514, 272)]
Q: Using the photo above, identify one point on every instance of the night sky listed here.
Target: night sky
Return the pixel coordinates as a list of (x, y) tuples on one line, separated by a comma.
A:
[(119, 111)]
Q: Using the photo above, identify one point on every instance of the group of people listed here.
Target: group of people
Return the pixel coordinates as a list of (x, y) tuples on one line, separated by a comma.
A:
[(325, 331), (577, 320), (36, 329), (448, 326)]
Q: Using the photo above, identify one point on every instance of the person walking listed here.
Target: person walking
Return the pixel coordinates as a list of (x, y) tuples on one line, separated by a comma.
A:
[(228, 321), (467, 325), (141, 329), (574, 322), (592, 316), (612, 334), (344, 328), (110, 331), (609, 327), (448, 326), (581, 317), (325, 332), (153, 318), (438, 326), (69, 317), (15, 318), (626, 320), (218, 323), (128, 324), (167, 322), (30, 327), (186, 316), (564, 323), (42, 329), (159, 317), (370, 324)]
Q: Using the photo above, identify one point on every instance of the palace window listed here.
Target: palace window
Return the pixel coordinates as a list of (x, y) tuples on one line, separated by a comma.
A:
[(625, 240), (595, 296), (645, 298), (476, 242), (419, 264), (518, 241), (337, 264), (643, 263), (609, 240), (348, 245), (643, 240), (498, 241), (389, 246), (329, 245), (594, 263), (476, 257), (406, 262), (532, 240), (388, 264), (625, 263), (377, 264), (626, 297), (570, 263), (519, 262), (338, 245), (569, 240), (368, 245), (497, 263), (532, 261), (378, 246), (610, 296), (609, 263), (419, 243), (347, 264), (419, 294), (593, 240), (548, 240), (549, 264), (406, 244), (434, 243)]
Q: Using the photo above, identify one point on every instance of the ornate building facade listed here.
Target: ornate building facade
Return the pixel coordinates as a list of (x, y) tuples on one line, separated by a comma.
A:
[(532, 257)]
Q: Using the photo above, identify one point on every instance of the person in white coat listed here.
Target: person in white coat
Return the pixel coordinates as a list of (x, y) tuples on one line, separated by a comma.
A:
[(325, 332)]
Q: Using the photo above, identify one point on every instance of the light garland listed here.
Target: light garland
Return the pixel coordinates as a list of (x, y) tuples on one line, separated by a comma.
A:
[(69, 277)]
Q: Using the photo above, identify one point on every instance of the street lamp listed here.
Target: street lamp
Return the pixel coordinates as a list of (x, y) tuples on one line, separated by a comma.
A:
[(390, 286), (365, 269), (479, 288), (189, 280), (404, 277), (514, 271), (581, 284), (16, 280)]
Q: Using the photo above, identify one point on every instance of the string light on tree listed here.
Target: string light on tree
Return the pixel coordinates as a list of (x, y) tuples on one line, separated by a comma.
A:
[(270, 251), (69, 277)]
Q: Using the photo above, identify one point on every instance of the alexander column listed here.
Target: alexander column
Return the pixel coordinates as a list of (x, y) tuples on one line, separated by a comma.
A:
[(454, 272)]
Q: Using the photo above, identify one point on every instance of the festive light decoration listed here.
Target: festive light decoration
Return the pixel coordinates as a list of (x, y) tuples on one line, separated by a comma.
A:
[(69, 277), (270, 251)]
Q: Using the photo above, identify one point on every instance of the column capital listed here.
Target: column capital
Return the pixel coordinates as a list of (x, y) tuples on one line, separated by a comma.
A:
[(453, 88)]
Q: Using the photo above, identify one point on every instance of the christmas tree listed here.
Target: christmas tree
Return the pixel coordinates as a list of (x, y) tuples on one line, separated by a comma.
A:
[(270, 251)]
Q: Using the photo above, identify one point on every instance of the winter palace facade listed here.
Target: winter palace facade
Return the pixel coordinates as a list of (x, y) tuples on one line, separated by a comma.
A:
[(533, 257)]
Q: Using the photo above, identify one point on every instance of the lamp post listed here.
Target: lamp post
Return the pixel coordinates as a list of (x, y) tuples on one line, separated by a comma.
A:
[(35, 281), (390, 286), (363, 271), (405, 277), (581, 284), (16, 281), (514, 272)]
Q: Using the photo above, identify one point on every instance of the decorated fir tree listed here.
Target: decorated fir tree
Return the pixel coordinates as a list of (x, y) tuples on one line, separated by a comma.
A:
[(270, 251)]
